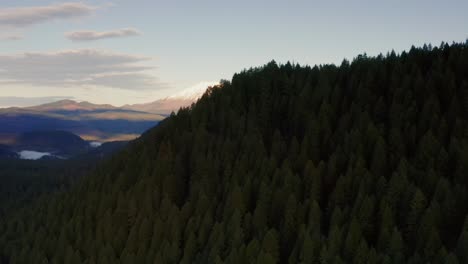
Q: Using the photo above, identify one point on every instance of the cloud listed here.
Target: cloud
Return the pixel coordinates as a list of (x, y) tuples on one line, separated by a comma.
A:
[(27, 16), (86, 35), (11, 37), (77, 68)]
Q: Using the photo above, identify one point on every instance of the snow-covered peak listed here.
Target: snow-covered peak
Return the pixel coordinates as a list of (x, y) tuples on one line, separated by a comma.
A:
[(192, 93)]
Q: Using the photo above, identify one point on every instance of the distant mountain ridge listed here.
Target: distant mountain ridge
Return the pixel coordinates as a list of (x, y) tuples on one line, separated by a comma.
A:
[(100, 122), (71, 105), (84, 109), (89, 121), (161, 106)]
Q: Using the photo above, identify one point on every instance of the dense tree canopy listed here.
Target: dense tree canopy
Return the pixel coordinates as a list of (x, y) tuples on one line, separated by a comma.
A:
[(364, 162)]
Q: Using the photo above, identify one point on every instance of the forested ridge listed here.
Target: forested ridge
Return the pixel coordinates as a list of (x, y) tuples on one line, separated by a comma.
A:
[(365, 162)]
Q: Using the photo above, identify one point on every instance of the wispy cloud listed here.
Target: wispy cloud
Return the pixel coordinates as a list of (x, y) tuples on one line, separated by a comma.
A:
[(81, 67), (27, 16), (11, 37), (89, 35)]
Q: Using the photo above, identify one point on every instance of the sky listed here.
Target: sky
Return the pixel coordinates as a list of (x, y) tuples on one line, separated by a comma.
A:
[(124, 52)]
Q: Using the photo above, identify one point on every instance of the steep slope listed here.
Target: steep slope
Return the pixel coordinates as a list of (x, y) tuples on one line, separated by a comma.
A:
[(361, 163)]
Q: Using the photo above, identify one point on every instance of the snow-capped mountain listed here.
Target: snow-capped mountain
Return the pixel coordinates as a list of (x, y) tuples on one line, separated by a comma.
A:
[(192, 93), (173, 102)]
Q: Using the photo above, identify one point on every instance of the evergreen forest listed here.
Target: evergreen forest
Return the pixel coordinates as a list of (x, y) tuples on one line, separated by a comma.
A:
[(362, 162)]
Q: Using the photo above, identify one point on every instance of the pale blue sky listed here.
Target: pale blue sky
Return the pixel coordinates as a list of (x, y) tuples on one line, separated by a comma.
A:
[(185, 43)]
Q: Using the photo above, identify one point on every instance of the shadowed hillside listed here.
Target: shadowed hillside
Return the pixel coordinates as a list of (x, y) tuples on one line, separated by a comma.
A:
[(359, 163)]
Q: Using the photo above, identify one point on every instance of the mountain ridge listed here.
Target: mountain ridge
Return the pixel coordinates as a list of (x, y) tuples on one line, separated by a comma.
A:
[(90, 121), (103, 122), (359, 163), (70, 105), (162, 106)]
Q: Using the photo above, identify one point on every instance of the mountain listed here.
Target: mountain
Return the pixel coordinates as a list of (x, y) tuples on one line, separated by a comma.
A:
[(59, 143), (70, 105), (174, 102), (359, 163), (100, 122), (162, 106), (89, 121)]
